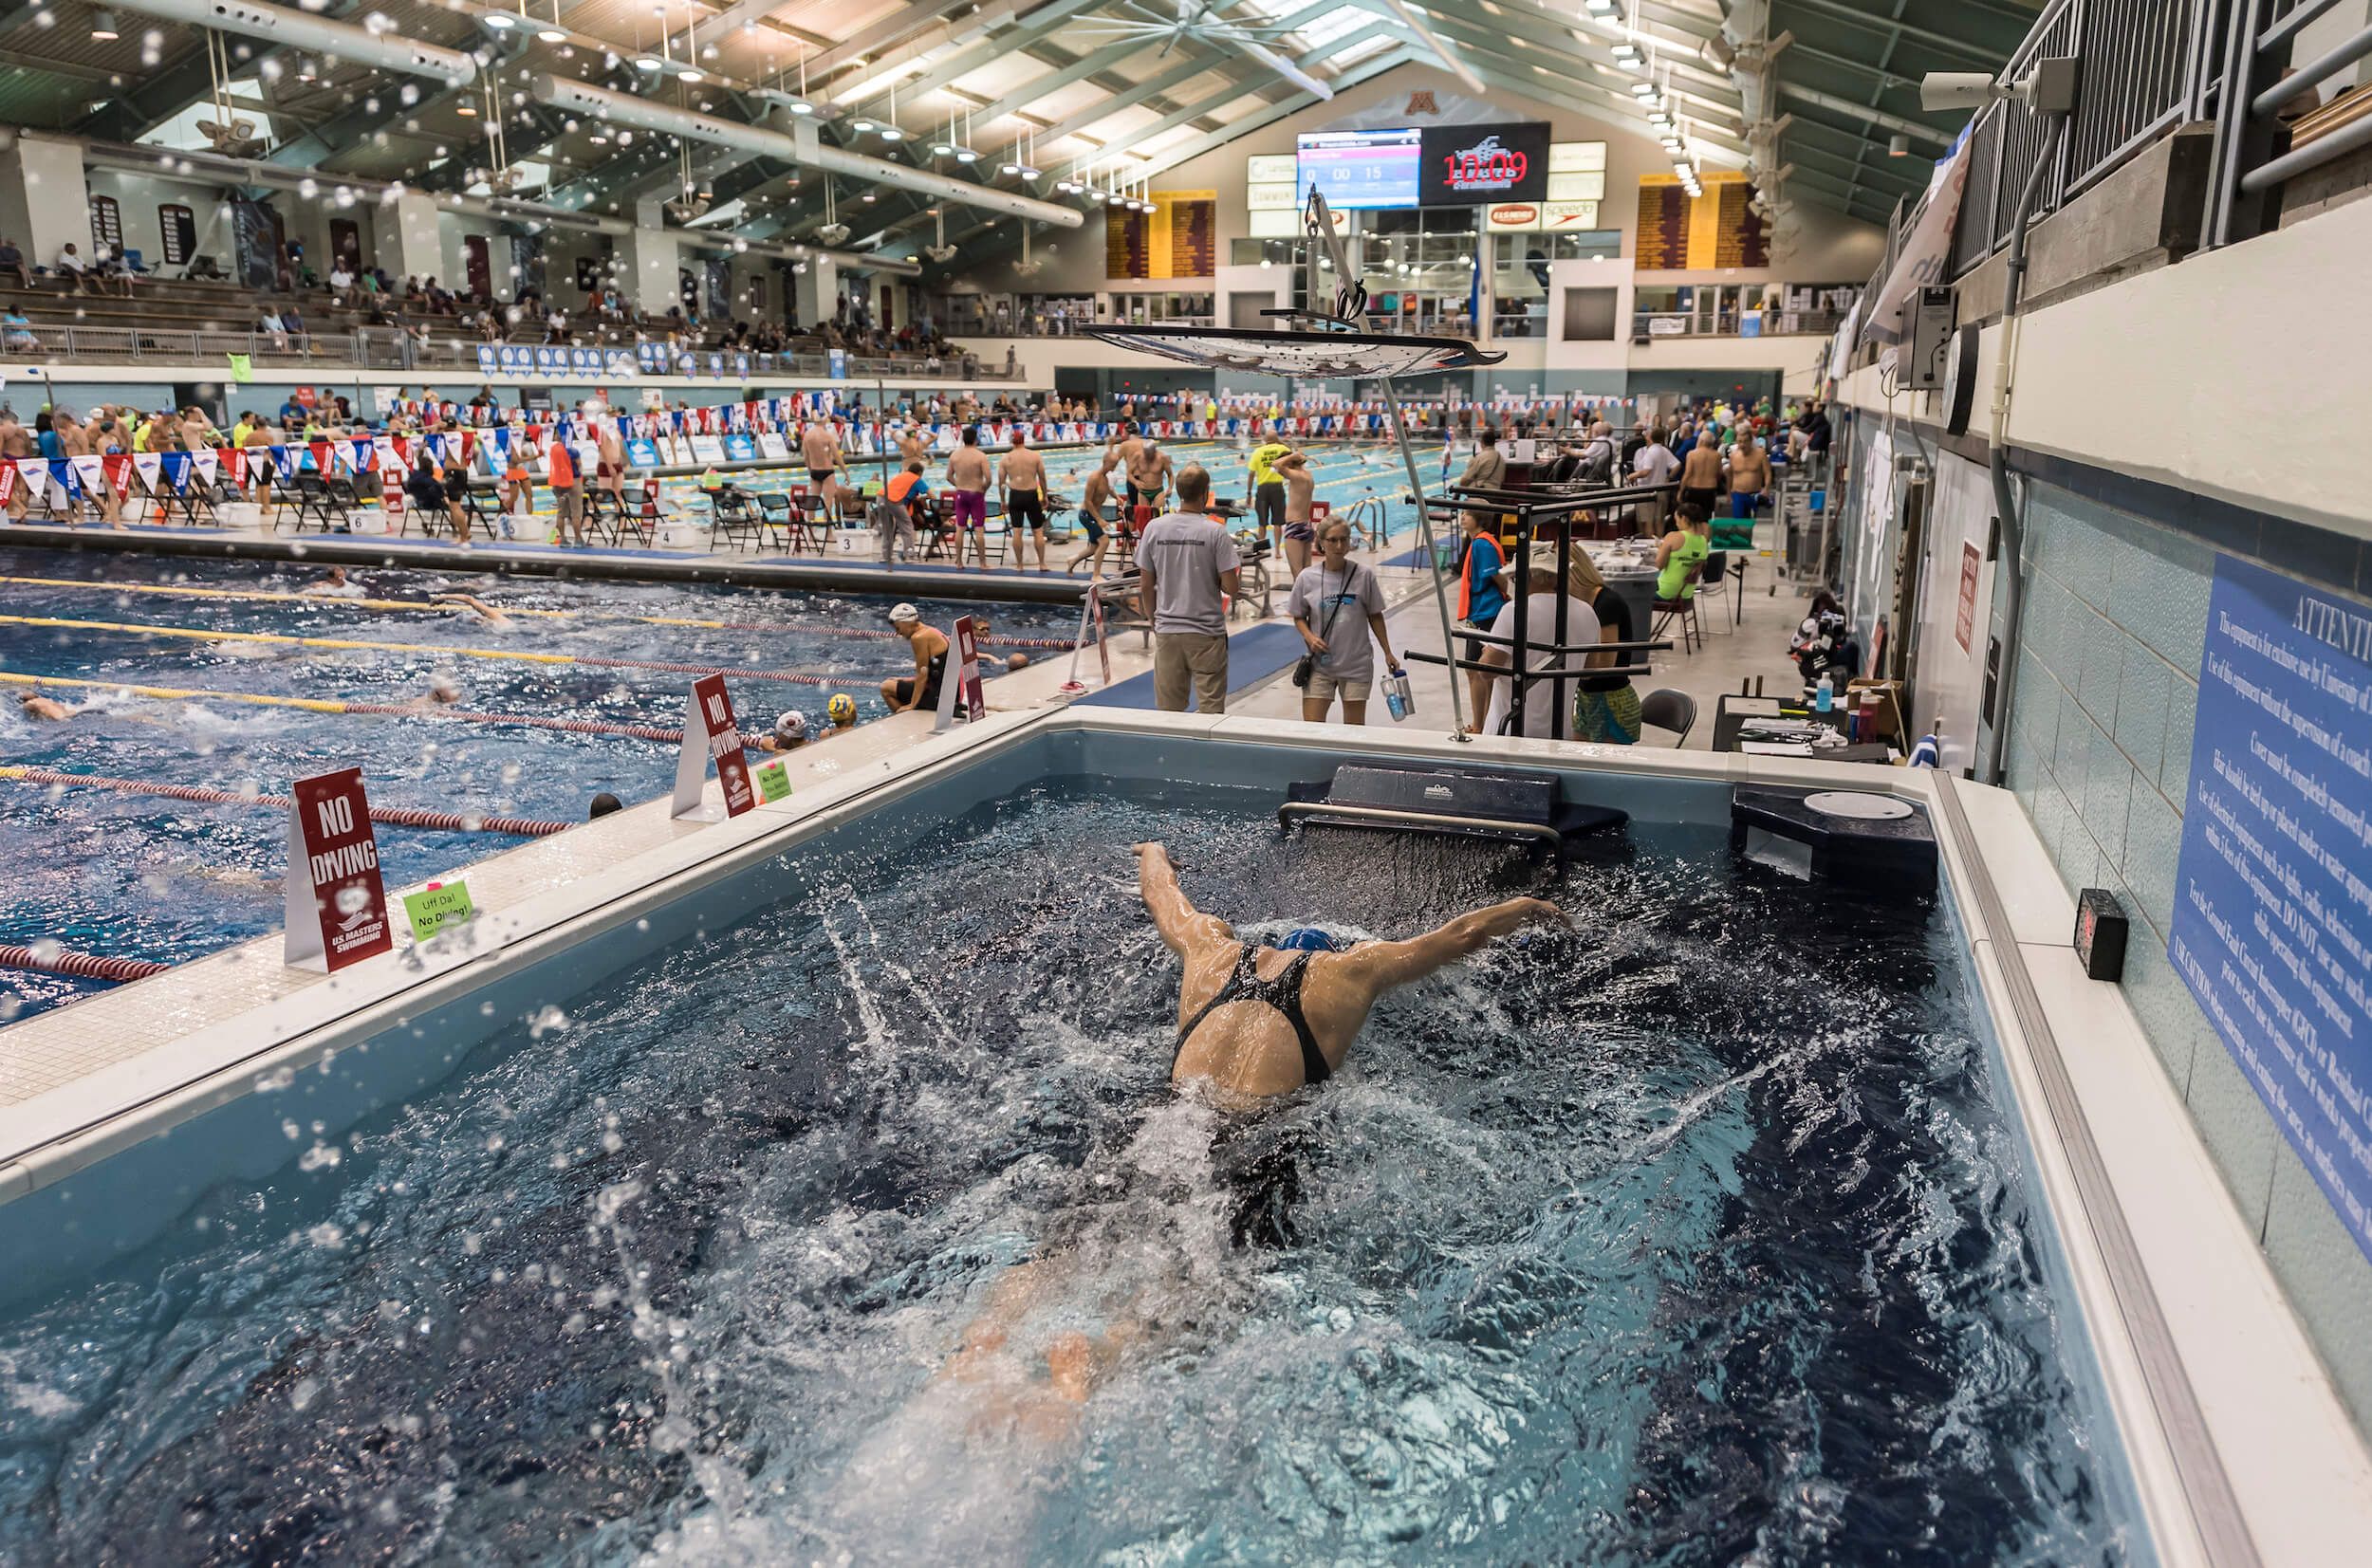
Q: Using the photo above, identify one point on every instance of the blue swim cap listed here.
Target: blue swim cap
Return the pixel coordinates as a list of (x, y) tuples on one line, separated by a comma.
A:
[(1306, 939)]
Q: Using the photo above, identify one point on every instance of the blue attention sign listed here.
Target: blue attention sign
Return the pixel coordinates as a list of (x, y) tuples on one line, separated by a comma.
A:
[(2272, 926)]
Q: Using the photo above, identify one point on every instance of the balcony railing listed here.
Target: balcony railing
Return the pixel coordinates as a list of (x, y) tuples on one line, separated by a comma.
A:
[(1753, 324), (2146, 67), (364, 348)]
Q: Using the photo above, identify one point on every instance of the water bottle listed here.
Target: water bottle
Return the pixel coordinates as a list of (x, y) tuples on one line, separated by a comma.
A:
[(1395, 695), (1824, 695)]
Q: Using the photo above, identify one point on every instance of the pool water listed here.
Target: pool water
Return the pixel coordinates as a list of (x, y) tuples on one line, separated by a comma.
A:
[(1694, 1235), (162, 879)]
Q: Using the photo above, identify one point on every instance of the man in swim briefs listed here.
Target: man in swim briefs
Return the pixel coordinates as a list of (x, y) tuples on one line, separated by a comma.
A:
[(1023, 477), (1256, 1022), (968, 475), (1148, 477), (819, 443), (1301, 490)]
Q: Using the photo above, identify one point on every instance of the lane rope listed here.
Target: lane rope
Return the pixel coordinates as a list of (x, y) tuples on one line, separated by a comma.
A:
[(326, 705), (197, 634), (394, 816), (324, 600), (87, 966)]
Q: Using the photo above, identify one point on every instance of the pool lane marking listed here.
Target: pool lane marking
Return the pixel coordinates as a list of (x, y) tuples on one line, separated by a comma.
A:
[(329, 601), (327, 704), (398, 816), (520, 656)]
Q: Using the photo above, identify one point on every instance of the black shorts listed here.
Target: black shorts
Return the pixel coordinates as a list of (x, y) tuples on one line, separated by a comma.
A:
[(1025, 507), (903, 689), (1701, 497), (1268, 505), (1091, 524), (817, 476), (1475, 646)]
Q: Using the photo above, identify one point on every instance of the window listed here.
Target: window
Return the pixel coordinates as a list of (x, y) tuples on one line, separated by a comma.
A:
[(1589, 315), (177, 227), (106, 223)]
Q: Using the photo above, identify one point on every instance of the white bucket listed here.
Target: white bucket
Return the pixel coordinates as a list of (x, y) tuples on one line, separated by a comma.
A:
[(240, 516)]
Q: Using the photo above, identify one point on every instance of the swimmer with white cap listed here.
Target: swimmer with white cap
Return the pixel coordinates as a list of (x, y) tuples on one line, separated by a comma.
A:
[(921, 689), (789, 733)]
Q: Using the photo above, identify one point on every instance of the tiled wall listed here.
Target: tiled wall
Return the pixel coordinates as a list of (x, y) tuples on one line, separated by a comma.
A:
[(2099, 756)]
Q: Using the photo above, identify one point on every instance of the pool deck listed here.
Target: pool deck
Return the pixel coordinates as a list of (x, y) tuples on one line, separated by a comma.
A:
[(858, 571)]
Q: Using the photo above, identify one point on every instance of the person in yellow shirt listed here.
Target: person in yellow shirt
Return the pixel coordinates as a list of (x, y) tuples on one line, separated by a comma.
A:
[(1268, 489)]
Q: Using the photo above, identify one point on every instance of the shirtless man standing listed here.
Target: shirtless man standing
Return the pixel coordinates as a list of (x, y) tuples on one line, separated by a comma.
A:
[(16, 442), (1095, 521), (1148, 476), (74, 442), (1749, 475), (1301, 488), (819, 443), (1700, 473), (969, 475), (612, 470), (1256, 1022), (1022, 475)]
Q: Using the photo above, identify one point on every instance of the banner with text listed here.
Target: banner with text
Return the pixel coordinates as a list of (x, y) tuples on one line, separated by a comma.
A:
[(2272, 923)]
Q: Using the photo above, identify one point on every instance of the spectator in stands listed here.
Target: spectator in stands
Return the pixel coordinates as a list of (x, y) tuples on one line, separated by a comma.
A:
[(72, 268), (12, 260), (292, 411), (341, 284), (17, 329), (269, 323)]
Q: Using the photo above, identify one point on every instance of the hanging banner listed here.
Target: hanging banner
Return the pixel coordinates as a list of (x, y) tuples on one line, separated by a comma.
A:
[(334, 907)]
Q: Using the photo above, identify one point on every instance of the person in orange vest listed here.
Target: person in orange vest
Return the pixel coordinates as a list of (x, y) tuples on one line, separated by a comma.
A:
[(567, 497)]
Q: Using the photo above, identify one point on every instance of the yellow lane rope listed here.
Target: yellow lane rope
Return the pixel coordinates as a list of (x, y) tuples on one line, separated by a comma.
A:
[(200, 634), (176, 694)]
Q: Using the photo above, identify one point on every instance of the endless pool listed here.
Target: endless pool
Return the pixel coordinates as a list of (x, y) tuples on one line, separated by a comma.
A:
[(1718, 1229)]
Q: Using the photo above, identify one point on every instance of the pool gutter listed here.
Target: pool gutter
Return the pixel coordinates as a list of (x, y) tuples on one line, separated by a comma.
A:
[(2240, 1450)]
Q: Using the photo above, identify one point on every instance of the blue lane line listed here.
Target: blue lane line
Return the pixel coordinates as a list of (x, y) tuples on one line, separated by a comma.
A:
[(1253, 655)]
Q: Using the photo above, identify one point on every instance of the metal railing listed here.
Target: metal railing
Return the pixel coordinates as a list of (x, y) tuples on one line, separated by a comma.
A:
[(368, 348), (2148, 67), (1773, 323)]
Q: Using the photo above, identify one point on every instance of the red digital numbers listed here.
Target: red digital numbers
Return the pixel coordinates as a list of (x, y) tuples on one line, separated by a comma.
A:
[(1465, 171)]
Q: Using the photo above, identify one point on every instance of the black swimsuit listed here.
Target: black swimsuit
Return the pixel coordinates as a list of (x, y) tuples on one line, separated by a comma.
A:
[(1282, 992)]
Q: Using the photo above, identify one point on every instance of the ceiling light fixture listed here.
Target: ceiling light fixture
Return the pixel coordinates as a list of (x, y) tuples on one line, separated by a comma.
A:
[(102, 26)]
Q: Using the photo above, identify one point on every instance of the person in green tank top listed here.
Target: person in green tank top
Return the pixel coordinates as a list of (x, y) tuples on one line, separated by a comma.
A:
[(1680, 555)]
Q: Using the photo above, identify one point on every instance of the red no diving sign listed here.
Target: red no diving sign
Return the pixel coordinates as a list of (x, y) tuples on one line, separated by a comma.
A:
[(708, 730), (335, 907)]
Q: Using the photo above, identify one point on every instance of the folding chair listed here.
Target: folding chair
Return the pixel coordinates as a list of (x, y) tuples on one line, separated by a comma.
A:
[(730, 516), (1685, 611), (1668, 709), (1712, 580), (341, 499), (473, 502), (778, 512)]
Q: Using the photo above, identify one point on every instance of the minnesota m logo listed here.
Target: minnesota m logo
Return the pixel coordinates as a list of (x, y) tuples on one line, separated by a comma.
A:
[(1420, 102)]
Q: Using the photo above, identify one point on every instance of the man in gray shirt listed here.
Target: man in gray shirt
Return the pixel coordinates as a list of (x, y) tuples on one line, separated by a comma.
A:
[(1186, 564)]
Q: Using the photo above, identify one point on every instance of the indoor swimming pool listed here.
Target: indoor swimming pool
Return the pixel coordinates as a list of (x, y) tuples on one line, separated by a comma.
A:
[(1704, 1232), (178, 879)]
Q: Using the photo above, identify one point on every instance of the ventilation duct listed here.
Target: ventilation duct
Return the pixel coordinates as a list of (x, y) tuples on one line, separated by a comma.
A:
[(805, 148), (320, 33)]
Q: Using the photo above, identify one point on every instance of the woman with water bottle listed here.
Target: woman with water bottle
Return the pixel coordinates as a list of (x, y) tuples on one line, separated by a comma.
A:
[(1337, 606)]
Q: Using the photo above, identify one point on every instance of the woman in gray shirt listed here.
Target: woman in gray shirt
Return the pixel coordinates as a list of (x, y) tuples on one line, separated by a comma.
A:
[(1336, 606)]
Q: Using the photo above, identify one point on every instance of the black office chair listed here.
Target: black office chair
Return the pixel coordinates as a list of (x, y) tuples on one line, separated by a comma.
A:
[(1668, 709)]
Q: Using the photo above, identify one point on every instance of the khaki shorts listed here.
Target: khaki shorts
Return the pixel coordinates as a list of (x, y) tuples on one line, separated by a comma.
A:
[(1185, 662), (1324, 688)]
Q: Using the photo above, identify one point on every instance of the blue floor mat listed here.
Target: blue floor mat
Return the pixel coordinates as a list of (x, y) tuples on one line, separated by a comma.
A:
[(1253, 655)]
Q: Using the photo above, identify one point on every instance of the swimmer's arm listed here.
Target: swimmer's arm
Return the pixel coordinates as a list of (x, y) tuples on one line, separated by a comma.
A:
[(1181, 925), (1385, 964)]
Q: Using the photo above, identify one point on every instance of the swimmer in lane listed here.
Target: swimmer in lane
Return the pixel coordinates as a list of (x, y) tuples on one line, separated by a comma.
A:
[(333, 586), (476, 605), (46, 709), (1256, 1022), (443, 692)]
